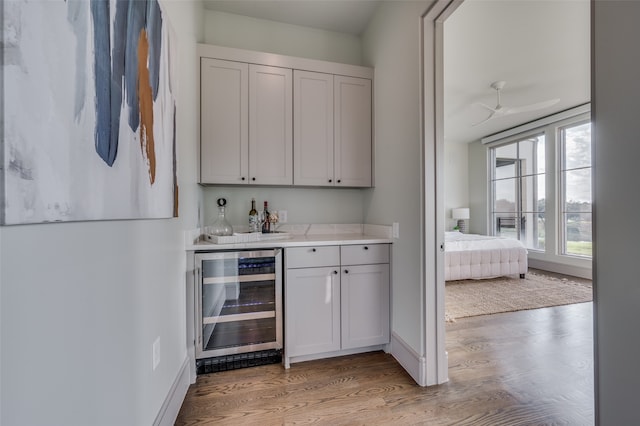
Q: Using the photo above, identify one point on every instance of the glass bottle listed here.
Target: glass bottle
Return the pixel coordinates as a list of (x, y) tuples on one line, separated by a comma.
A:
[(221, 226), (254, 225), (266, 224)]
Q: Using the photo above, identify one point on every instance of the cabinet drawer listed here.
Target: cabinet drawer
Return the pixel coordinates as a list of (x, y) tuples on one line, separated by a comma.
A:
[(309, 257), (364, 254)]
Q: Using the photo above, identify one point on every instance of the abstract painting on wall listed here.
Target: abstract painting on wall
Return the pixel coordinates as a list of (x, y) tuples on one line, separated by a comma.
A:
[(89, 111)]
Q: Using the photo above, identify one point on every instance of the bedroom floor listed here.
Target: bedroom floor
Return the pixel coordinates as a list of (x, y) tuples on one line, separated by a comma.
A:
[(516, 368)]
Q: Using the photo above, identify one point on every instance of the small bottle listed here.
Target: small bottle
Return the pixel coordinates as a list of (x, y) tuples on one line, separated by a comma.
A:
[(221, 227), (253, 217), (266, 225)]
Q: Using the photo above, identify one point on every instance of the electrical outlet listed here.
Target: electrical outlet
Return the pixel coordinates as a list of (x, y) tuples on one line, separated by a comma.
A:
[(395, 230), (156, 352), (282, 216)]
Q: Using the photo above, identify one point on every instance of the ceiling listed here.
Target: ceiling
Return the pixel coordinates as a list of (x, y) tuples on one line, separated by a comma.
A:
[(540, 48)]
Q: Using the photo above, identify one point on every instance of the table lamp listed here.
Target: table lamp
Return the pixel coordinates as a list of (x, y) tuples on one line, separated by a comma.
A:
[(461, 214)]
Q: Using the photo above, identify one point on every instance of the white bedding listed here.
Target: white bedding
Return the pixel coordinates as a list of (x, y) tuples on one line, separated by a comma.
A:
[(472, 256)]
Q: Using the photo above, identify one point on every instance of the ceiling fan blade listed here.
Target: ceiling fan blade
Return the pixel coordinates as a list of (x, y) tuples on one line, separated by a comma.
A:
[(486, 119), (531, 107), (487, 107)]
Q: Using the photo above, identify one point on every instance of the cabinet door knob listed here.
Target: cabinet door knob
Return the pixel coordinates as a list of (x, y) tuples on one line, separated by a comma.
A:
[(253, 178), (346, 271), (242, 178), (335, 272), (330, 180), (339, 180), (313, 250), (366, 248)]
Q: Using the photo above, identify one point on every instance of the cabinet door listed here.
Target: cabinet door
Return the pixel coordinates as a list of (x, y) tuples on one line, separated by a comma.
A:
[(224, 142), (352, 134), (313, 128), (365, 305), (270, 125), (312, 311)]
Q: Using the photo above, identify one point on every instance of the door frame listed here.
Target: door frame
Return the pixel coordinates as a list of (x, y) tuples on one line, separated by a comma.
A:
[(432, 132)]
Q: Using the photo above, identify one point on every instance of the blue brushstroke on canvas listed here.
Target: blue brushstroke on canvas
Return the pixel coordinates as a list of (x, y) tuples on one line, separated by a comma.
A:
[(154, 33), (116, 65), (105, 146), (135, 23)]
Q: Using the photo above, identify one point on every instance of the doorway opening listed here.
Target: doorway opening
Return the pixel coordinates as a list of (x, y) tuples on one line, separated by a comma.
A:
[(447, 199)]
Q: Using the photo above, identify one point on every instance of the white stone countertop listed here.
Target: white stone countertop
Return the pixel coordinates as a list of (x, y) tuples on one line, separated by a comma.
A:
[(314, 235)]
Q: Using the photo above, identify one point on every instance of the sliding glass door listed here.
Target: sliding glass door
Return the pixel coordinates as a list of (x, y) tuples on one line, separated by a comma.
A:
[(518, 191)]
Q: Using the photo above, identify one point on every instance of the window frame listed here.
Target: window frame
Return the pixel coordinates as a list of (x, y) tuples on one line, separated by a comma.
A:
[(562, 188)]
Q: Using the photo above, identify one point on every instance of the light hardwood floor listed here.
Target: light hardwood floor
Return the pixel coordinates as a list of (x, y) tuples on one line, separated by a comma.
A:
[(520, 368)]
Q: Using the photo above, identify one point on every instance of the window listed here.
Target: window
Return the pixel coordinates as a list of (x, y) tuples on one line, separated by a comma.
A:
[(576, 189), (540, 187), (518, 191)]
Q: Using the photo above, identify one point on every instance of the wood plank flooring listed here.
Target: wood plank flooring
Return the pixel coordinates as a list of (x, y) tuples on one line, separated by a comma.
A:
[(519, 368)]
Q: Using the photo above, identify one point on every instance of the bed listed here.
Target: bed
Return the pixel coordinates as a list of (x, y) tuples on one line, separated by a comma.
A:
[(473, 256)]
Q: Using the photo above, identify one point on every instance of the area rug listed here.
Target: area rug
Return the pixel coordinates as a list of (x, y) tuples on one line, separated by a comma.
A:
[(468, 298)]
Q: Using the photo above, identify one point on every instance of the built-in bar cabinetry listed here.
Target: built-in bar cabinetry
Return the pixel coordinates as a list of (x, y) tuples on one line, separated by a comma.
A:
[(269, 119), (336, 300)]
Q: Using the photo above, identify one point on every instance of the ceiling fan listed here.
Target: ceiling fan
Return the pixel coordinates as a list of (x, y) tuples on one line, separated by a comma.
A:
[(500, 110)]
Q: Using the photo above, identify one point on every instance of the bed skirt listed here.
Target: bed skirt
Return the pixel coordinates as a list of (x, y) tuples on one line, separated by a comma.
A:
[(472, 264)]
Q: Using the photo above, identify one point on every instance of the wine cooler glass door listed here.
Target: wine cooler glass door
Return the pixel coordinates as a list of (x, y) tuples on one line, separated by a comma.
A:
[(240, 297)]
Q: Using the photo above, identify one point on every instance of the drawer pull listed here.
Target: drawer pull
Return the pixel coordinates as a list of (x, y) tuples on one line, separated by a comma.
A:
[(366, 248), (313, 250)]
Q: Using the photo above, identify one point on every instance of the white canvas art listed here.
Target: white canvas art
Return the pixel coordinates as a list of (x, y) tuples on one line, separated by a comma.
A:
[(89, 112)]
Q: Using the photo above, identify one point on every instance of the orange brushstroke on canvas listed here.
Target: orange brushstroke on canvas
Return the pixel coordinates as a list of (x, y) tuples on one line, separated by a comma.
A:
[(145, 98)]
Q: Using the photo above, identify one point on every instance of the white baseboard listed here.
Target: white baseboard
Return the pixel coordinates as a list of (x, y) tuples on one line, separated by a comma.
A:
[(411, 361), (171, 406), (573, 270), (287, 361)]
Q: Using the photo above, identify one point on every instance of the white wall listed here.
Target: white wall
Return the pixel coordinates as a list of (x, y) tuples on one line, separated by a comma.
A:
[(456, 181), (478, 188), (616, 91), (303, 205), (81, 303), (391, 45), (242, 32)]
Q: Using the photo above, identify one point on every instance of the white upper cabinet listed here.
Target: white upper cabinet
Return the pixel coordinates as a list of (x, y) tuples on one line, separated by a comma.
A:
[(352, 131), (332, 130), (269, 119), (246, 124), (224, 113), (270, 125), (313, 128)]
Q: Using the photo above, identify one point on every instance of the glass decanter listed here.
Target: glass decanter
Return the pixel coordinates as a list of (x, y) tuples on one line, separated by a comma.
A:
[(221, 226)]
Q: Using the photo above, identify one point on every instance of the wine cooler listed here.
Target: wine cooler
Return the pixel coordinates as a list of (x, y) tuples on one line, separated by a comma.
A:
[(239, 312)]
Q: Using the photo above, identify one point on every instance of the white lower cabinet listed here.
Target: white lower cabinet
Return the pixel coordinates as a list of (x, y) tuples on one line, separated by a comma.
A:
[(336, 300), (364, 294), (314, 310)]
